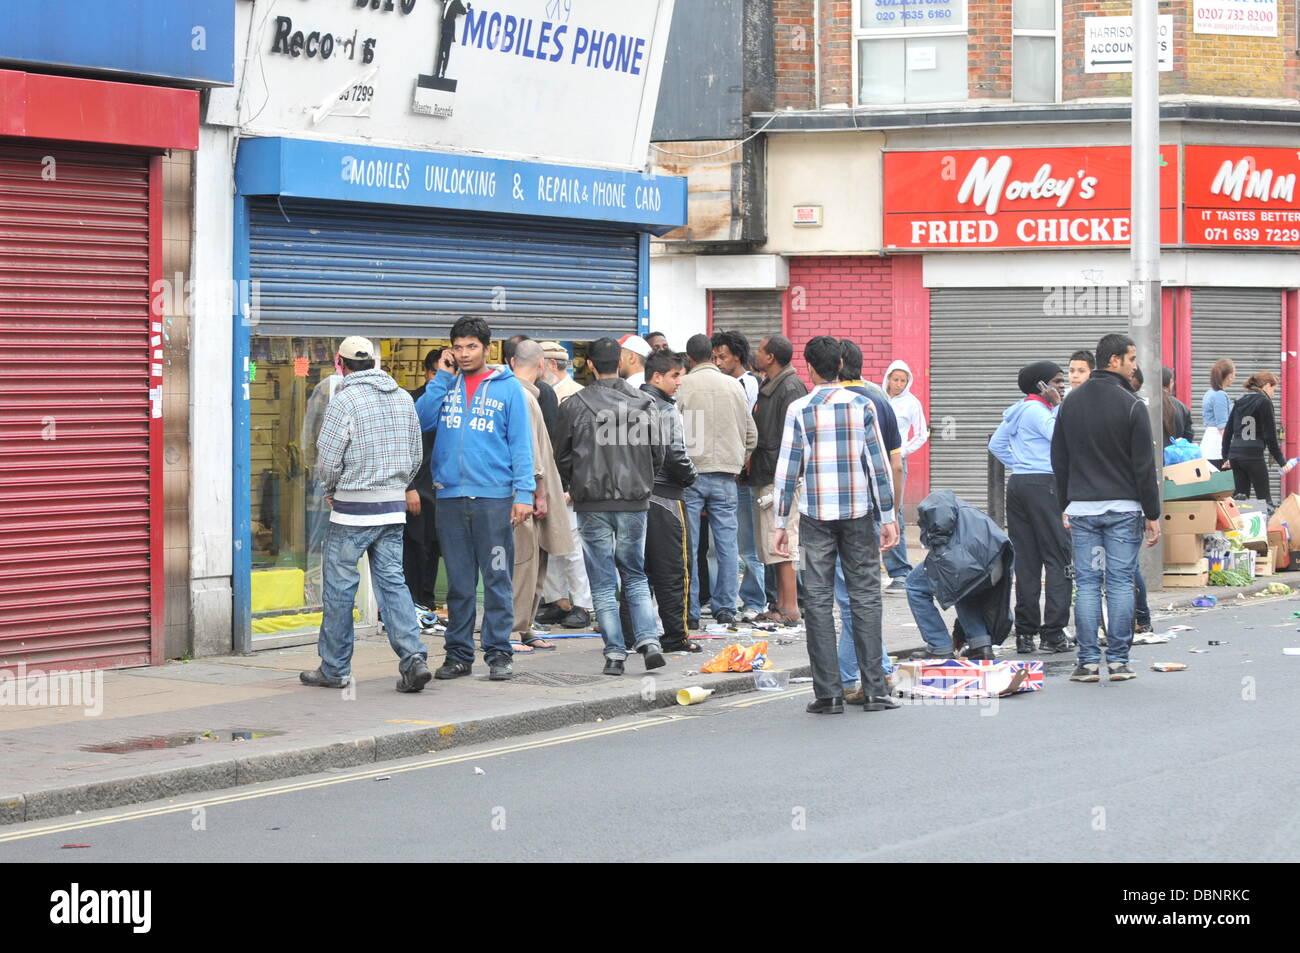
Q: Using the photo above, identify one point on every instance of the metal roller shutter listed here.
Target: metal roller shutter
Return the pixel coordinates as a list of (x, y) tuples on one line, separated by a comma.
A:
[(1245, 325), (76, 514), (390, 272), (979, 340), (755, 314)]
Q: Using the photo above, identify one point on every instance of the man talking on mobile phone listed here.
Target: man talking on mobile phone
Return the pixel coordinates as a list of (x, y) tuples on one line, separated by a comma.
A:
[(482, 469)]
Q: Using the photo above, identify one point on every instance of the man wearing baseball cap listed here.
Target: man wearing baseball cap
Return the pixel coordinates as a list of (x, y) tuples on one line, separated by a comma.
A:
[(631, 365), (367, 453)]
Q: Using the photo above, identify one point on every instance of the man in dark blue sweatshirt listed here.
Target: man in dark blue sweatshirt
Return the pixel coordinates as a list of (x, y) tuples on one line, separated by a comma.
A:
[(482, 468)]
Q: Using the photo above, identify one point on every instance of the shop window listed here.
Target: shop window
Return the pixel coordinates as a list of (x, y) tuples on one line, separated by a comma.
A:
[(1035, 70), (912, 51)]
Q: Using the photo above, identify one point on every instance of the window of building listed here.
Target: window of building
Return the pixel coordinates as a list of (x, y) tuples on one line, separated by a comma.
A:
[(910, 51), (1035, 66)]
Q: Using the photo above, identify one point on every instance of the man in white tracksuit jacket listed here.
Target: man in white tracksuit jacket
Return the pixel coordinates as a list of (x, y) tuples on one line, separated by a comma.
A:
[(912, 427)]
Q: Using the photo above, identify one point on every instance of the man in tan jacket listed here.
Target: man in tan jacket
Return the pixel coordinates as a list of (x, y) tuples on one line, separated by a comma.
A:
[(547, 532), (720, 434)]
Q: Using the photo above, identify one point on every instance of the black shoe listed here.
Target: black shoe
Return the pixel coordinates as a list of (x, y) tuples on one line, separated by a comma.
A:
[(693, 625), (551, 614), (879, 703), (654, 658), (687, 646), (1024, 644), (982, 654), (1120, 672), (826, 706), (318, 680), (1055, 646), (577, 618), (1143, 629), (453, 669), (724, 617), (416, 676), (931, 654), (500, 671), (613, 666), (1086, 673)]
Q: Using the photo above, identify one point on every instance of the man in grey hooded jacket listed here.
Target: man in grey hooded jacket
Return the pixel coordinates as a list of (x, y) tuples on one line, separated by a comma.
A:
[(911, 425)]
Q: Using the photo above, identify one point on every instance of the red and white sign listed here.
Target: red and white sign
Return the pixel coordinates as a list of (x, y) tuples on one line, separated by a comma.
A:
[(1018, 198), (1238, 195)]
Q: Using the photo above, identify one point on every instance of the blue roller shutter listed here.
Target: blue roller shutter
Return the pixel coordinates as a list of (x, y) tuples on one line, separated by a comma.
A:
[(339, 268)]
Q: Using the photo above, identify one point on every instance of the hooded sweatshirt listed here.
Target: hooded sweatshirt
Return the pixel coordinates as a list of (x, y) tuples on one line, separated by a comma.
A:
[(1023, 441), (907, 408), (368, 450), (486, 449)]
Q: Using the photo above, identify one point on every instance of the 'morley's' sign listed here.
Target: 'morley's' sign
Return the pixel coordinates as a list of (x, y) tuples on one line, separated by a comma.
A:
[(1240, 196), (1018, 198)]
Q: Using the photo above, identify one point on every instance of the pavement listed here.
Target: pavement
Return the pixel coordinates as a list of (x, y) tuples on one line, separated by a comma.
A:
[(1186, 766), (199, 726)]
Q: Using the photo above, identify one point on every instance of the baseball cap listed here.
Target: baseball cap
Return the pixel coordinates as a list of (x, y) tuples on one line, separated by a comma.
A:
[(555, 349), (637, 345), (356, 349)]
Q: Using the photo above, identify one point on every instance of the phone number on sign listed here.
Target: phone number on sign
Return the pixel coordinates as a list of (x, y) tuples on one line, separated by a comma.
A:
[(1235, 16), (1269, 235)]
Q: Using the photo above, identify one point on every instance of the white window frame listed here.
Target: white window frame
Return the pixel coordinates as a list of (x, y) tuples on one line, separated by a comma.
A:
[(1056, 35), (860, 34)]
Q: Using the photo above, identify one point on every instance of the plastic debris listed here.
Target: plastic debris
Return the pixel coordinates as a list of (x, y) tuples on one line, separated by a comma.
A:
[(73, 846), (385, 778), (1180, 628), (1152, 639), (1291, 651), (1207, 602), (1198, 651), (478, 770), (1216, 642), (1168, 666)]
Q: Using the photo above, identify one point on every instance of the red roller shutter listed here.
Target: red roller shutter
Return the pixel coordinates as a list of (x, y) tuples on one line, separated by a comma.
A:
[(80, 437)]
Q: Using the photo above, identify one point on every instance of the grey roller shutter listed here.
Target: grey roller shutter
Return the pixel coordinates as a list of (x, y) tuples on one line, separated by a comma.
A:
[(1245, 325), (338, 268), (979, 340), (755, 314)]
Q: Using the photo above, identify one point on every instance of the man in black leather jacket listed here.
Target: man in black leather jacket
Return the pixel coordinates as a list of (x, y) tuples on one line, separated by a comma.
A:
[(608, 452), (667, 542)]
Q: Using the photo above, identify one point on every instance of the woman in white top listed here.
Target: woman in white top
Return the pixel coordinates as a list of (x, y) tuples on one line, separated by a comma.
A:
[(912, 428)]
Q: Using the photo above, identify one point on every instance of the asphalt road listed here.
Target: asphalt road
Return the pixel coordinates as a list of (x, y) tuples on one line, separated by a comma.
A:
[(1199, 765)]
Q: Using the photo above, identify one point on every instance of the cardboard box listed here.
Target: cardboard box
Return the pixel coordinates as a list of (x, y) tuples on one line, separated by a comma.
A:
[(1279, 542), (1287, 514), (963, 678), (1266, 565), (1190, 517), (1229, 517), (1193, 576), (1183, 548), (1244, 561), (1197, 480)]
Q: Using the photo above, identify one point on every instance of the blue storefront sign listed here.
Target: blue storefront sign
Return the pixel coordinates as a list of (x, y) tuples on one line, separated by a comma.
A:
[(191, 42), (306, 168)]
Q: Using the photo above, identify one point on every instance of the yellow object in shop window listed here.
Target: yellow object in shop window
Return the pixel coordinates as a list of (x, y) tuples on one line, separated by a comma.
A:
[(288, 623), (278, 589)]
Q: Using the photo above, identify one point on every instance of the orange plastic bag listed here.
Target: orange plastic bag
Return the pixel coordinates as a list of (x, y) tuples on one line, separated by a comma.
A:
[(735, 658)]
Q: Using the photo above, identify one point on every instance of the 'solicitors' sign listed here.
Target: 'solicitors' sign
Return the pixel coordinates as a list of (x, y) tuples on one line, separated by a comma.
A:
[(562, 79)]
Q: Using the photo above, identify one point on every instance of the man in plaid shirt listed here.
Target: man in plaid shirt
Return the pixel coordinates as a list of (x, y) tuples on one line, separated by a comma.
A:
[(832, 441)]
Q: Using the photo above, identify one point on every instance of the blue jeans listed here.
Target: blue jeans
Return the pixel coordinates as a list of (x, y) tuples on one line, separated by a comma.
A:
[(753, 589), (920, 598), (613, 547), (718, 492), (896, 563), (1105, 553), (344, 546), (476, 537), (849, 672)]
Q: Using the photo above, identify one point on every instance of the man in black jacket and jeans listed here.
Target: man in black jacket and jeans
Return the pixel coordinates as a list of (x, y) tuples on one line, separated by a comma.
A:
[(1103, 459), (667, 542), (608, 452)]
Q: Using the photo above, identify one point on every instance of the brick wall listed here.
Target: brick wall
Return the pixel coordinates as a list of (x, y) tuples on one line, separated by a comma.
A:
[(1204, 64), (845, 297), (794, 54)]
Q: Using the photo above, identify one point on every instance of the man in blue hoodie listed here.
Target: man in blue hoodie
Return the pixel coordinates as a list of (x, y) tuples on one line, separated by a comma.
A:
[(1023, 442), (482, 468)]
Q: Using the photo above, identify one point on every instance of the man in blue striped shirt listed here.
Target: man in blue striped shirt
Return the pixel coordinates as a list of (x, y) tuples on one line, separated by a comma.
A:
[(832, 441)]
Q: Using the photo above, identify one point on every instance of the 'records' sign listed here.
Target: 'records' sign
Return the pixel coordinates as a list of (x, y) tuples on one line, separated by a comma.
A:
[(573, 80), (1018, 198), (1236, 195)]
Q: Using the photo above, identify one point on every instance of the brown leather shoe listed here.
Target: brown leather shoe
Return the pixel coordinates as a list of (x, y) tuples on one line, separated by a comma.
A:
[(858, 697)]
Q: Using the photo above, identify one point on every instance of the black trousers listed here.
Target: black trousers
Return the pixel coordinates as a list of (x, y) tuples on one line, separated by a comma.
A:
[(1252, 473), (667, 569), (420, 553), (1040, 541)]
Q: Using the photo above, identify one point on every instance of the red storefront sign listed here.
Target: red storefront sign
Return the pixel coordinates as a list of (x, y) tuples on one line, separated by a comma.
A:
[(1018, 198), (1238, 195)]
